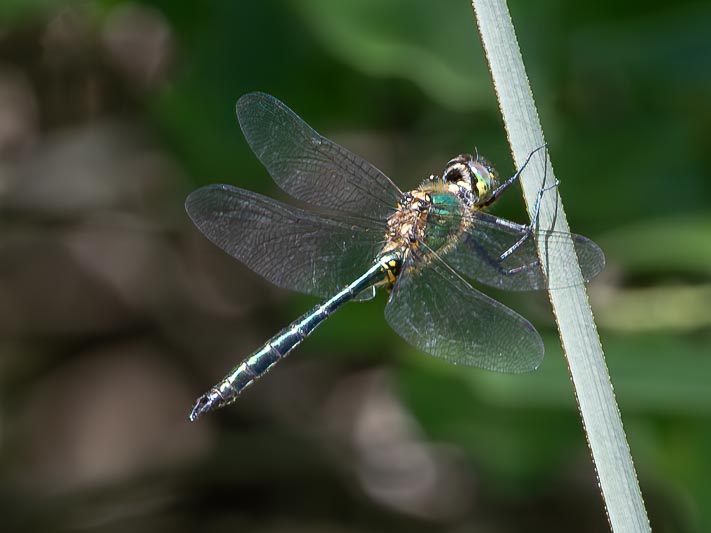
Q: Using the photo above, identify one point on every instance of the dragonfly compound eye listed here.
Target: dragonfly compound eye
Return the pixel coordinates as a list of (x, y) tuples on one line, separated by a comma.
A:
[(471, 178), (458, 170), (483, 178)]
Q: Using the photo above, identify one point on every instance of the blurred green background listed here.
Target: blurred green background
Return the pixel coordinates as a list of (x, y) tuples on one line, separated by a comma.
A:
[(115, 313)]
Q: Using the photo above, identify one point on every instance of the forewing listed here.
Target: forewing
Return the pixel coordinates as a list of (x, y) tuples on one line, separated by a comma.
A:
[(438, 312), (310, 167), (291, 248), (478, 252)]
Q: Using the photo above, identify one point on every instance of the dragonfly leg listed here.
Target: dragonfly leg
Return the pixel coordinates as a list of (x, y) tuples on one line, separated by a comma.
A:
[(534, 220), (513, 179), (496, 263), (518, 269)]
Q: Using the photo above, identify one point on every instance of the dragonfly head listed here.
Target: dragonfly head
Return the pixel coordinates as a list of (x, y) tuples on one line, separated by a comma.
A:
[(472, 178)]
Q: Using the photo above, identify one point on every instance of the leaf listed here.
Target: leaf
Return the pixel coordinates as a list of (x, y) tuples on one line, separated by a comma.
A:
[(431, 45)]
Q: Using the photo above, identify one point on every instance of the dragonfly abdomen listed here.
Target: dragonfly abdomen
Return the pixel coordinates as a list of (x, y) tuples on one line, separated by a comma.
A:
[(279, 346)]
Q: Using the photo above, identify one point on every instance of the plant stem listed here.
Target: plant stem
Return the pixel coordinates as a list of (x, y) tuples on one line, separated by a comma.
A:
[(591, 381)]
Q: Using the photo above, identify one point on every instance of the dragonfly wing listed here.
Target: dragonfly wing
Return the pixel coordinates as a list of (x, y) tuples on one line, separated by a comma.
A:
[(290, 247), (310, 167), (438, 312), (477, 255)]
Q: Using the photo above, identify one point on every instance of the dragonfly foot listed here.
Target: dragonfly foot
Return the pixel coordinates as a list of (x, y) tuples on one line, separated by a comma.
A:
[(205, 403)]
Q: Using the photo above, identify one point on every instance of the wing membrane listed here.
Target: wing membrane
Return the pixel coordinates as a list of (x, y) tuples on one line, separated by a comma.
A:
[(438, 312), (477, 255), (310, 167), (289, 247)]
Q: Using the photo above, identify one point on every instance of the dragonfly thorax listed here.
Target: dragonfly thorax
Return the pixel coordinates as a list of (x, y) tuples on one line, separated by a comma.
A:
[(406, 226), (472, 179), (428, 219)]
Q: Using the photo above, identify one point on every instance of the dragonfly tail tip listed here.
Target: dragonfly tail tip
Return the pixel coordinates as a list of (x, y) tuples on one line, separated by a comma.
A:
[(205, 403)]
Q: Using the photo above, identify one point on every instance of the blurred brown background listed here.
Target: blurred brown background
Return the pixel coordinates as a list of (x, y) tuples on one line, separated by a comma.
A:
[(115, 313)]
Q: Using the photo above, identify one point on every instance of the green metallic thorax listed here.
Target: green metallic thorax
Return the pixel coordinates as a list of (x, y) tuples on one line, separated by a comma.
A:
[(428, 219), (446, 219)]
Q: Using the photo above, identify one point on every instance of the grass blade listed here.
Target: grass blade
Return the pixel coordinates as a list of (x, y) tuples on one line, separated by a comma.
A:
[(580, 341)]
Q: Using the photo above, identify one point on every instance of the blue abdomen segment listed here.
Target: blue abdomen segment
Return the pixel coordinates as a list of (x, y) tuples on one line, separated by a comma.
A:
[(279, 346)]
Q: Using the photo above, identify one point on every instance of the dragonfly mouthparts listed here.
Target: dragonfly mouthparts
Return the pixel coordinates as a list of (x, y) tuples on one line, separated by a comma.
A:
[(205, 403)]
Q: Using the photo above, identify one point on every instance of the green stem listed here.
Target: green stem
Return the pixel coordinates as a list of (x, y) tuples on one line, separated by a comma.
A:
[(581, 344)]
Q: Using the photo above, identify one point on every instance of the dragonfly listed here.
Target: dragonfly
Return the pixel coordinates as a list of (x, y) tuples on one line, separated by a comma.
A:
[(360, 233)]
